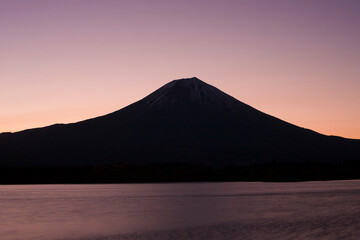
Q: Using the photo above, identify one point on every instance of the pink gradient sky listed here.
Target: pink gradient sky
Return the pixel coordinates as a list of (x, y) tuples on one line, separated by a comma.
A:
[(64, 61)]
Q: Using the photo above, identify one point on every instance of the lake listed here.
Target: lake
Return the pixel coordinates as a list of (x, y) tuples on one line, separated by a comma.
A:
[(241, 210)]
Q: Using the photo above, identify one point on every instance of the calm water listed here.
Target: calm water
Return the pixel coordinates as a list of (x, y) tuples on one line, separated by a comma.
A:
[(310, 210)]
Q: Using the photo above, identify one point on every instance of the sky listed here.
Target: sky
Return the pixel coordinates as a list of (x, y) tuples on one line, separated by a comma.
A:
[(64, 61)]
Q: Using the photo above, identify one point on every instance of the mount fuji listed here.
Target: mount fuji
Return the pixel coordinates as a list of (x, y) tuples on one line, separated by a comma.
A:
[(186, 120)]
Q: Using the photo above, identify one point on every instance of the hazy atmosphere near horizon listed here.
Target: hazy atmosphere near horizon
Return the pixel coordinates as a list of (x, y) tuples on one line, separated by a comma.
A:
[(66, 61)]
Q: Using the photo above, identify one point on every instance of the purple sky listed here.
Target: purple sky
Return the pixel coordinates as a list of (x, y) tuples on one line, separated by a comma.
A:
[(68, 60)]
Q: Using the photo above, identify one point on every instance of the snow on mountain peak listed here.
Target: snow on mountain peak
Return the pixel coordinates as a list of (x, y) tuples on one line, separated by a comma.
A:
[(189, 91)]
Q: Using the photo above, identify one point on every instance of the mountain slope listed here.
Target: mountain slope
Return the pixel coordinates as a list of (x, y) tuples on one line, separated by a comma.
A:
[(186, 120)]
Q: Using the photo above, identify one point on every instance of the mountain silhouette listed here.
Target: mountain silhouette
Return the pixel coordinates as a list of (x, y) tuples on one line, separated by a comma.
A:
[(186, 120)]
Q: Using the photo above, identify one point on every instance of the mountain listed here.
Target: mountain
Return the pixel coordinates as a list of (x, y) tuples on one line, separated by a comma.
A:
[(186, 120)]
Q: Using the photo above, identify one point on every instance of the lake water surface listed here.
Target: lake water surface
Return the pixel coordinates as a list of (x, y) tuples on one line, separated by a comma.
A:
[(308, 210)]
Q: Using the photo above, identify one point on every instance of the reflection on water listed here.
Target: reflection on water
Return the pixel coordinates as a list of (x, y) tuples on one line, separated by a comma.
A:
[(310, 210)]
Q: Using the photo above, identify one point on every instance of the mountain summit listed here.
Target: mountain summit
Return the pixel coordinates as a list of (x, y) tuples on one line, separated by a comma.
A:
[(186, 120), (189, 91)]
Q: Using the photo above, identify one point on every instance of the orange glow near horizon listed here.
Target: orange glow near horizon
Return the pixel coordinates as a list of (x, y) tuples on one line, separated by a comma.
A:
[(66, 61)]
